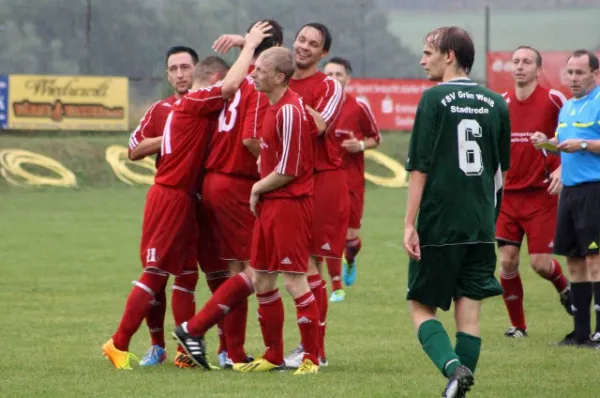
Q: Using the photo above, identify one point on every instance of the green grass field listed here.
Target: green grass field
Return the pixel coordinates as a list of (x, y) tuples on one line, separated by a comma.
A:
[(68, 258)]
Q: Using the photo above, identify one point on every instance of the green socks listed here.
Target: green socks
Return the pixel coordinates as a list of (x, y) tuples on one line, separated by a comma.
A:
[(437, 346), (468, 348)]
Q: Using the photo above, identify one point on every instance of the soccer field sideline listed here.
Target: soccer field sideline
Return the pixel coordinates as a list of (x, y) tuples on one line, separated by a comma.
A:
[(69, 256)]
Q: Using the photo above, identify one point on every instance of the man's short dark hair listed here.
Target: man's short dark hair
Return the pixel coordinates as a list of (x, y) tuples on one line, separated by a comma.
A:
[(457, 40), (276, 38), (325, 33), (343, 62), (592, 58), (538, 56), (181, 49), (209, 66)]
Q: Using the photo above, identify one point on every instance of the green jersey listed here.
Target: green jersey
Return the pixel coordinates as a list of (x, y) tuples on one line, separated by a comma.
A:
[(461, 140)]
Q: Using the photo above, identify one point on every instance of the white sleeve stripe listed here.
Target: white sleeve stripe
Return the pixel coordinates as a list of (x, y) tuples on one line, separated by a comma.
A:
[(367, 111), (288, 123), (142, 125), (561, 98), (256, 113), (204, 99), (334, 102)]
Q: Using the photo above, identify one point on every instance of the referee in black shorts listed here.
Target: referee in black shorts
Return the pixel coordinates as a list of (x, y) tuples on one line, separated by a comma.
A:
[(578, 223)]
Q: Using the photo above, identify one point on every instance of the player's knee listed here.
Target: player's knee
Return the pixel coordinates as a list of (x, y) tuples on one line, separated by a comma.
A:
[(295, 284), (509, 264), (592, 263), (541, 264), (236, 266), (352, 234), (186, 282)]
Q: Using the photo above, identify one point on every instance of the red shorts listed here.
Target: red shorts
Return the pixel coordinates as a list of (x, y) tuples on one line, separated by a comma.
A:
[(531, 213), (330, 219), (206, 244), (227, 200), (169, 231), (281, 238)]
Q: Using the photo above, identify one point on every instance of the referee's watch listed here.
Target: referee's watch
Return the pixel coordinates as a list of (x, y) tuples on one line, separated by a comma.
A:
[(583, 145)]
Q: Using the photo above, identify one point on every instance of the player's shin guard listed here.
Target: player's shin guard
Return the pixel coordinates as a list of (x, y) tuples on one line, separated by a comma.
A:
[(581, 296), (270, 317), (228, 296), (137, 306), (214, 280), (352, 248), (437, 346), (307, 316), (334, 266), (596, 288), (156, 317), (468, 348), (513, 298)]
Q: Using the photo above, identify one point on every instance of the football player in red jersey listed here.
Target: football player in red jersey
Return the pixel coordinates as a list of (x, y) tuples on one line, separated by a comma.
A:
[(530, 201), (356, 124), (144, 141), (231, 172), (169, 228), (282, 202)]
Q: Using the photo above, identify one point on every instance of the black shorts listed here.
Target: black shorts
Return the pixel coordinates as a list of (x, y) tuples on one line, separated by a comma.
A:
[(578, 221)]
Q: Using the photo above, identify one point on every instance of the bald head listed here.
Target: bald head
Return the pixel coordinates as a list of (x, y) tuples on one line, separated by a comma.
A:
[(209, 69), (280, 59)]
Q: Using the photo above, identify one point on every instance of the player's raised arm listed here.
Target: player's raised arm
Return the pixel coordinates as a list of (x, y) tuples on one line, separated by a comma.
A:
[(239, 70), (330, 102)]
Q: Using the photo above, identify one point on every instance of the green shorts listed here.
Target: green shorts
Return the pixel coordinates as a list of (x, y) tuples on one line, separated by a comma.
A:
[(448, 272)]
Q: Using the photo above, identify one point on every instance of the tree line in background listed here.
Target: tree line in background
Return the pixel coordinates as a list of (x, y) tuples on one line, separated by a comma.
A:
[(130, 37), (456, 5)]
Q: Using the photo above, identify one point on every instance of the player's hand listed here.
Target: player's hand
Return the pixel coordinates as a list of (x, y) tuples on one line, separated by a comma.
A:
[(254, 197), (226, 42), (353, 145), (411, 242), (569, 146), (555, 186), (257, 33), (319, 121), (538, 138)]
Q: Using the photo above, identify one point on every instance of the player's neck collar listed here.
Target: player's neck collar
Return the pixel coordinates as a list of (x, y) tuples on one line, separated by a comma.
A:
[(462, 81)]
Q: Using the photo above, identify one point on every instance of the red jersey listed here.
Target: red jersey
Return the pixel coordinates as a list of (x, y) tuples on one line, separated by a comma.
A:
[(241, 118), (539, 112), (152, 124), (186, 137), (325, 95), (356, 119), (286, 146)]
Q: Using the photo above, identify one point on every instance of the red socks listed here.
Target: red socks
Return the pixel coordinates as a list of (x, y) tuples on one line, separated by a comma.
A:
[(270, 317), (235, 331), (214, 280), (231, 294), (513, 298), (137, 307), (156, 317), (352, 248), (307, 315), (334, 266), (318, 287), (183, 302), (557, 277)]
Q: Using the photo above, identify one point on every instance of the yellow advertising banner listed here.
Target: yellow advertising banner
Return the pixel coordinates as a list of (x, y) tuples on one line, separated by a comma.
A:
[(46, 102)]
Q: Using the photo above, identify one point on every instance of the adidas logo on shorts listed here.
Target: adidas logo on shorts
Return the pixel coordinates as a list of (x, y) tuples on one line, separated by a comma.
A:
[(304, 320), (286, 261), (326, 246), (224, 308)]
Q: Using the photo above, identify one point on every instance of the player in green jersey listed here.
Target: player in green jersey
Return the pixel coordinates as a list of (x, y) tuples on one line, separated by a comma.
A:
[(459, 153)]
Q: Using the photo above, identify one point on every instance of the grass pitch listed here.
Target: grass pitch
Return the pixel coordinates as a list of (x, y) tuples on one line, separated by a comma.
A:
[(68, 256)]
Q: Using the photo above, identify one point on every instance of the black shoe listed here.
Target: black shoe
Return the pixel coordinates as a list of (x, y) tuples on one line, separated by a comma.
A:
[(461, 381), (565, 300), (193, 345), (515, 333), (569, 340), (594, 345)]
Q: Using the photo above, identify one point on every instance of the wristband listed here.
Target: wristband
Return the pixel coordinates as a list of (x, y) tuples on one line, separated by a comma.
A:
[(362, 145)]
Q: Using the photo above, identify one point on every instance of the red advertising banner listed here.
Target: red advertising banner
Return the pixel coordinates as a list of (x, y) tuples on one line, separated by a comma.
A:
[(393, 101), (554, 71)]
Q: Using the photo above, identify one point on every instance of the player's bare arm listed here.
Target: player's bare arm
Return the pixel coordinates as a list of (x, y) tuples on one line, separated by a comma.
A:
[(575, 145), (353, 145), (225, 43), (555, 186), (415, 194), (149, 146), (270, 183), (319, 121), (239, 70)]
